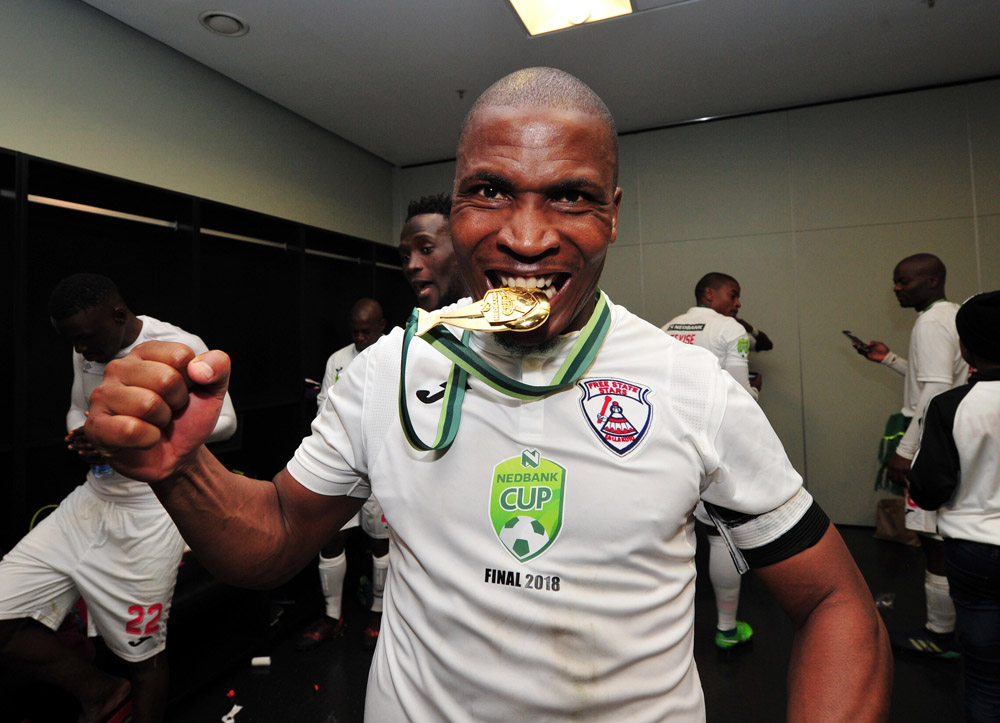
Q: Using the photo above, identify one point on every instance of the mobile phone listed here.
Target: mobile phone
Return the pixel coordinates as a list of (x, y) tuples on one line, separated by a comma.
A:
[(860, 345)]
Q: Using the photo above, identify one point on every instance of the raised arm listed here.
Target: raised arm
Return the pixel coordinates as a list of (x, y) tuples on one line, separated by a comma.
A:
[(249, 532), (152, 414), (881, 354), (841, 665)]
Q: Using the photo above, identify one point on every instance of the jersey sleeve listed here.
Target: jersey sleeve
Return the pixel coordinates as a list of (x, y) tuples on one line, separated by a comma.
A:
[(752, 492), (938, 346), (936, 469), (78, 402), (907, 446), (329, 379), (735, 355)]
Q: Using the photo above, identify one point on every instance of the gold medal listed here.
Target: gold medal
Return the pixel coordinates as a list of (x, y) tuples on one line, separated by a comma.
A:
[(506, 309)]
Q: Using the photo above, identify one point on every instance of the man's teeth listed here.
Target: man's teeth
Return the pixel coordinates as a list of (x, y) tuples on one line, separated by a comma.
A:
[(539, 283)]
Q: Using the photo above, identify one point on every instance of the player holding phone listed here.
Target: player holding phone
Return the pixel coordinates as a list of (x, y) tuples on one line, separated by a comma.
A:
[(934, 365)]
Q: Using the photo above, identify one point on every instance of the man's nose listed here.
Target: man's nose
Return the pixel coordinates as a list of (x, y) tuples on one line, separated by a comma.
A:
[(527, 230)]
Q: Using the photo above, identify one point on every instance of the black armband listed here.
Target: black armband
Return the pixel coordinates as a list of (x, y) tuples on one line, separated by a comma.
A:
[(771, 537)]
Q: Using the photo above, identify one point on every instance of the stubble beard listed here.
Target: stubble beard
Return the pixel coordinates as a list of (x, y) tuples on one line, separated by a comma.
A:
[(507, 342)]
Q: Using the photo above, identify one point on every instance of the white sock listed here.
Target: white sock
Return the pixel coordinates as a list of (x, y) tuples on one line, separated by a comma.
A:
[(940, 608), (380, 567), (332, 571), (725, 582)]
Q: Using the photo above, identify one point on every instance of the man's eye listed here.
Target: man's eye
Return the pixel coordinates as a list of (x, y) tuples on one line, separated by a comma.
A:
[(569, 197), (488, 191), (427, 250)]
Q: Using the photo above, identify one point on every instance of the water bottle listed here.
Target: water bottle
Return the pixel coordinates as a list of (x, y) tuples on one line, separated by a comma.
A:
[(102, 470)]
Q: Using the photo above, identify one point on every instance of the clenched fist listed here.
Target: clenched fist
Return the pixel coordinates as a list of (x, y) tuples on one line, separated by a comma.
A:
[(156, 408)]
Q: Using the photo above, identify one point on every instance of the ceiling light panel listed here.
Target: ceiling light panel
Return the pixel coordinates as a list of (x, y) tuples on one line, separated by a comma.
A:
[(546, 16)]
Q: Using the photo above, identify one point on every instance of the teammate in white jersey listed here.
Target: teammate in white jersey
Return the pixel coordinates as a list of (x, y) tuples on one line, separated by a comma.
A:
[(712, 325), (109, 541), (543, 561), (366, 324), (935, 365)]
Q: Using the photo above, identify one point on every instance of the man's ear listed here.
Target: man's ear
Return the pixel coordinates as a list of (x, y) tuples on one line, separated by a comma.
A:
[(120, 315), (614, 215)]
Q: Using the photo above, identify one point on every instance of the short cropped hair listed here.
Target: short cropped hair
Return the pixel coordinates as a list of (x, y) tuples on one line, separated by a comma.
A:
[(440, 203), (928, 265), (545, 88), (711, 280), (81, 292)]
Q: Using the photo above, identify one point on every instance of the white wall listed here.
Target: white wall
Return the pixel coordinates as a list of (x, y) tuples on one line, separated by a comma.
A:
[(810, 209), (81, 88), (409, 184)]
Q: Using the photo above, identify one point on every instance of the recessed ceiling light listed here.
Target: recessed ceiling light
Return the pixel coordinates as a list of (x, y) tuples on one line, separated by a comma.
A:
[(223, 23), (545, 16)]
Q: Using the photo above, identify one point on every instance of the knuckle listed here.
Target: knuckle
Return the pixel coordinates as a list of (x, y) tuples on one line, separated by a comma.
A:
[(115, 367), (97, 396), (133, 431), (166, 379), (180, 355), (147, 402)]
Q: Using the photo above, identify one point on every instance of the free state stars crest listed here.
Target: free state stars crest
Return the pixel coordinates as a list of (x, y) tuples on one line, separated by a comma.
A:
[(617, 411)]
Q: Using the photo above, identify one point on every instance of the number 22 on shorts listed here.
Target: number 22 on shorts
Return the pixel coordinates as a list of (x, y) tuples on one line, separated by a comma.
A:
[(134, 626)]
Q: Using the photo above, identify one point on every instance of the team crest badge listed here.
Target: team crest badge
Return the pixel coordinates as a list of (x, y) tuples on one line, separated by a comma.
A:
[(619, 412), (526, 503)]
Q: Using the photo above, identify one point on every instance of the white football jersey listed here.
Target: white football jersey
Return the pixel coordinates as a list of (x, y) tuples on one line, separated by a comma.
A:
[(335, 366), (722, 335), (543, 565), (934, 355)]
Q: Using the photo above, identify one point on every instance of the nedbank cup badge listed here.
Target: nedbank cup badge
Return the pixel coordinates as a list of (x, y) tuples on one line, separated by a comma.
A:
[(526, 503), (619, 412)]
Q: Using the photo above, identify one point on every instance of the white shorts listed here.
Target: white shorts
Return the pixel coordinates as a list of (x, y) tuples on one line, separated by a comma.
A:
[(122, 560), (373, 521), (920, 520)]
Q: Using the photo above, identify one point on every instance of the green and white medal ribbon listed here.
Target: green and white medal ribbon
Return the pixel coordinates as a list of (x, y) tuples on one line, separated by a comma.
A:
[(466, 361)]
